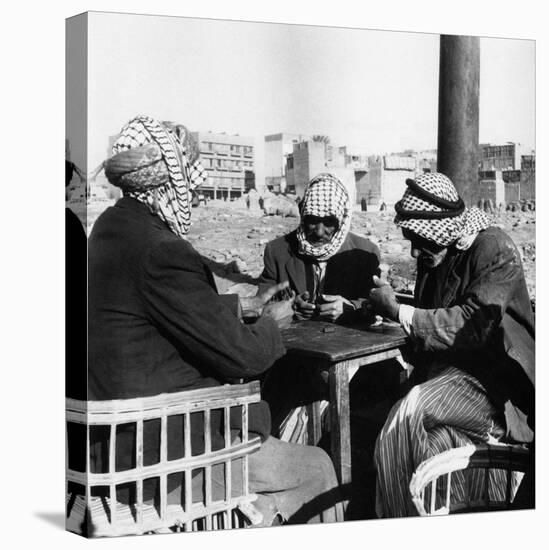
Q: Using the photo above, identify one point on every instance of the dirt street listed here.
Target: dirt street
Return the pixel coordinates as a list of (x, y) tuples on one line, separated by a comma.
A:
[(232, 240)]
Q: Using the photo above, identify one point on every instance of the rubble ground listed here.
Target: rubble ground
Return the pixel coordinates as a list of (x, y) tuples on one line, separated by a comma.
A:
[(232, 238)]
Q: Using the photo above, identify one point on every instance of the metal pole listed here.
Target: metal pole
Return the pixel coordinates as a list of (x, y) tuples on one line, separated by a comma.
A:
[(458, 113)]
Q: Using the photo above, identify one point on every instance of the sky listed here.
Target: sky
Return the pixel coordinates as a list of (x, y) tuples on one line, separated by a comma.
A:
[(377, 90)]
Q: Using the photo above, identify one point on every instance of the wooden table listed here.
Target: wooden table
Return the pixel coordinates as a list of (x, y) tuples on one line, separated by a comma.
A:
[(341, 351)]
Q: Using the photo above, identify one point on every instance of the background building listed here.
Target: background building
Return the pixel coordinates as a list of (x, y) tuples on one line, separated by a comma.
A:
[(492, 186), (528, 176), (277, 149), (500, 157), (312, 157), (507, 164), (229, 163), (386, 179)]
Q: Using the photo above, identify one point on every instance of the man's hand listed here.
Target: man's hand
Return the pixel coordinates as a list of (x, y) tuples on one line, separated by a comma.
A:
[(281, 312), (333, 307), (253, 305), (303, 308), (383, 301)]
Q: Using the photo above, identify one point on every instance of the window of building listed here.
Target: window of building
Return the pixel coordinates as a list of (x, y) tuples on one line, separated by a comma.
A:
[(222, 148)]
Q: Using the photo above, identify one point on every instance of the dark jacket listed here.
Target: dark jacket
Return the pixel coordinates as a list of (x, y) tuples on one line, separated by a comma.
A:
[(76, 257), (156, 322), (349, 272), (475, 313)]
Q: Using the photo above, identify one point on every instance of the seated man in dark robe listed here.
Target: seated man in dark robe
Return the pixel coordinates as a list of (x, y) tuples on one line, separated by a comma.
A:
[(330, 269), (472, 329), (157, 323)]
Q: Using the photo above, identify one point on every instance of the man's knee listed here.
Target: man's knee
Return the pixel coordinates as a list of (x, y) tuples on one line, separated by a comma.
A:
[(320, 466)]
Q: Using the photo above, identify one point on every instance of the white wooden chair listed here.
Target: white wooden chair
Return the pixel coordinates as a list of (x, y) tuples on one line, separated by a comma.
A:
[(431, 484), (92, 506)]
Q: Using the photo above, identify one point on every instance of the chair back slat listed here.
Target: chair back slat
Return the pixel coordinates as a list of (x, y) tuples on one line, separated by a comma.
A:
[(508, 488), (139, 502), (433, 494), (245, 422), (207, 432), (448, 489), (172, 466), (113, 510), (176, 403), (163, 496), (228, 479), (227, 426), (88, 465), (139, 468), (163, 437), (187, 434), (112, 448), (108, 516), (188, 496)]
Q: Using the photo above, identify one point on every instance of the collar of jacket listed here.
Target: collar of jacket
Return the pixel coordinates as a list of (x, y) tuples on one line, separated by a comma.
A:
[(296, 263), (142, 210)]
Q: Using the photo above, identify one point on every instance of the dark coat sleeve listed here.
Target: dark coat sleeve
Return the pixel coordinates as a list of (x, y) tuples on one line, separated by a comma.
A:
[(372, 268), (182, 303), (270, 275), (495, 271)]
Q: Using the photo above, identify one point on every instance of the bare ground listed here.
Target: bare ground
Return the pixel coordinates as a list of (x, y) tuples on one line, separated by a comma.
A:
[(232, 239)]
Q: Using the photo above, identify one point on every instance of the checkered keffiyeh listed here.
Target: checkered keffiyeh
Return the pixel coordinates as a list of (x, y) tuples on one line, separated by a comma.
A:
[(325, 196), (155, 163), (432, 208)]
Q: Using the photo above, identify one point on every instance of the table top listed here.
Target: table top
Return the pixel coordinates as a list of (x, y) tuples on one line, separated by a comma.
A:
[(334, 343)]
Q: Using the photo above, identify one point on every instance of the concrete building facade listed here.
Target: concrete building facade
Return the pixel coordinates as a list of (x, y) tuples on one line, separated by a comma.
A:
[(386, 179), (229, 163), (500, 157), (277, 149), (310, 158), (528, 177), (492, 186)]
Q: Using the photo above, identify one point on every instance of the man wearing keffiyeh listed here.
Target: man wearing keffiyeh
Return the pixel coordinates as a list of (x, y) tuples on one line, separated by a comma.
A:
[(330, 270), (328, 267), (472, 330), (156, 323)]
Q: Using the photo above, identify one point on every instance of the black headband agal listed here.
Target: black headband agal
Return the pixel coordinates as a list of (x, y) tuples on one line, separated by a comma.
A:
[(451, 208)]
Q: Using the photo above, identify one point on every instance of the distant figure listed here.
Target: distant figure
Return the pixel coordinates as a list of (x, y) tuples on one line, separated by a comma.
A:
[(383, 207), (248, 201), (363, 205)]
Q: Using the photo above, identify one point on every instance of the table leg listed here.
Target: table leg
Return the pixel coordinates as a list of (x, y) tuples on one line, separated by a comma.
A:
[(314, 425), (340, 421)]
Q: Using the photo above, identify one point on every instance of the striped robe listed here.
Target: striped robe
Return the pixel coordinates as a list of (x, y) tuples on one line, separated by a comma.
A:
[(448, 411)]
